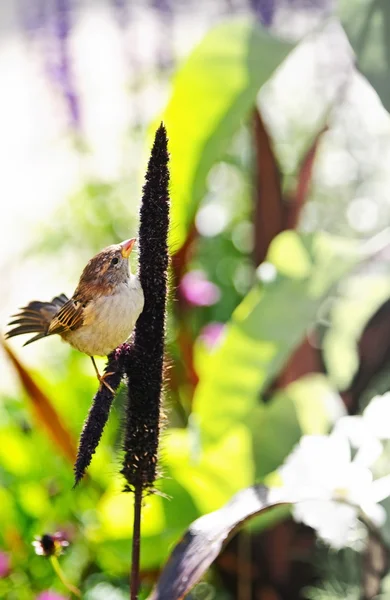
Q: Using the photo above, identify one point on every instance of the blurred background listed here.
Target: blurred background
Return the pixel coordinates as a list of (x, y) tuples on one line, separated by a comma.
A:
[(279, 315)]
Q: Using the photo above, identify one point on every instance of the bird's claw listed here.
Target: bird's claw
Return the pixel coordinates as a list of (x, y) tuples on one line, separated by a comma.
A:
[(102, 379)]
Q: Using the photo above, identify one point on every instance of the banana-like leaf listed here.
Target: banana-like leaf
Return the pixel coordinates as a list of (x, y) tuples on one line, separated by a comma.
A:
[(266, 327)]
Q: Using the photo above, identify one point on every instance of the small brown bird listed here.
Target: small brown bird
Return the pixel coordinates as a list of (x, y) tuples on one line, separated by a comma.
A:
[(101, 313)]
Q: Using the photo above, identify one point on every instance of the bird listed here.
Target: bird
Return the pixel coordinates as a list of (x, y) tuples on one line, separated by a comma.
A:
[(100, 315)]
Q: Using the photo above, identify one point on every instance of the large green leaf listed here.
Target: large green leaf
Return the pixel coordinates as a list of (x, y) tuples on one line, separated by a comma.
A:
[(266, 327), (212, 93), (367, 23), (263, 332)]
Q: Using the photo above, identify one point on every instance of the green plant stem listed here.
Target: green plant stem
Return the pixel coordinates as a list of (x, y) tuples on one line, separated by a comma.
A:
[(134, 579), (56, 566)]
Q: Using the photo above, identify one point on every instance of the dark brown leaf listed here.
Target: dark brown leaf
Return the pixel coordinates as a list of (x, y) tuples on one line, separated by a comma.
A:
[(204, 540), (268, 201)]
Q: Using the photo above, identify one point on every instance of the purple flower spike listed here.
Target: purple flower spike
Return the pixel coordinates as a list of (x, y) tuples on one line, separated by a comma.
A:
[(121, 8), (5, 565), (62, 27), (163, 6), (265, 10), (198, 290), (211, 334)]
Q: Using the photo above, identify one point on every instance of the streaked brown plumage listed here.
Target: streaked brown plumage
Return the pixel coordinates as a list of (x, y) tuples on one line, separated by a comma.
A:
[(101, 313)]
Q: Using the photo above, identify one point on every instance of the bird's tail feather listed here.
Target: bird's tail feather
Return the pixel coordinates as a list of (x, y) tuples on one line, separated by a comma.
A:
[(36, 318)]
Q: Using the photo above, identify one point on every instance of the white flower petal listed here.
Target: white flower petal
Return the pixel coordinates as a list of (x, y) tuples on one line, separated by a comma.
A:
[(369, 452), (380, 488), (375, 512), (332, 521), (355, 429), (336, 530), (311, 512), (339, 449), (329, 489), (352, 485), (377, 416), (307, 467)]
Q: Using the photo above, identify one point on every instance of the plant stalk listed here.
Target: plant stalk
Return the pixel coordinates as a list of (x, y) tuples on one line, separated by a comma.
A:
[(136, 544), (57, 568)]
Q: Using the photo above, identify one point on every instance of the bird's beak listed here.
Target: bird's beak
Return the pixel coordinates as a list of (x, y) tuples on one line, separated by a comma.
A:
[(127, 247)]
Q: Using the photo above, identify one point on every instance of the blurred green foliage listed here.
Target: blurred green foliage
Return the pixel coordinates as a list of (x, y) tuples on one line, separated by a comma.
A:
[(367, 23)]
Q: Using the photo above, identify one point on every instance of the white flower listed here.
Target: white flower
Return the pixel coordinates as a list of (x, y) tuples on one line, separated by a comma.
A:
[(330, 489), (377, 416), (365, 431), (374, 422)]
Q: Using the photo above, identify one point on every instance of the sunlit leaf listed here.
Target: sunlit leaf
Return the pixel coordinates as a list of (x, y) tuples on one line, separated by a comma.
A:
[(264, 330), (207, 473), (212, 93)]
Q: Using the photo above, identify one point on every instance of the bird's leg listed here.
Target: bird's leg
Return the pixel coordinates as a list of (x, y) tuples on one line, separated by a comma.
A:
[(102, 377)]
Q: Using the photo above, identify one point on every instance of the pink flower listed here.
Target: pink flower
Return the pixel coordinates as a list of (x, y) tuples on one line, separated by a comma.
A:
[(198, 290), (49, 595), (5, 564), (212, 333)]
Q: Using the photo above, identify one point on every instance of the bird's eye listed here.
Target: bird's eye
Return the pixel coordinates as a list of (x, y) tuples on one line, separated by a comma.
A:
[(115, 261)]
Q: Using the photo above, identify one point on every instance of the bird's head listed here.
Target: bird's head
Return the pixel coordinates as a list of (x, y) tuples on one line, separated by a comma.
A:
[(108, 268)]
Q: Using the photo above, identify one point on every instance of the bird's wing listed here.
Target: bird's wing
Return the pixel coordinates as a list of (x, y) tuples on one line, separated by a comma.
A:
[(36, 318), (69, 318), (60, 300)]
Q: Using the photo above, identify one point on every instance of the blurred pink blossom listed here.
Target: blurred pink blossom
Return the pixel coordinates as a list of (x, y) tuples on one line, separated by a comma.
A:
[(212, 333), (198, 290), (49, 595), (5, 564)]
